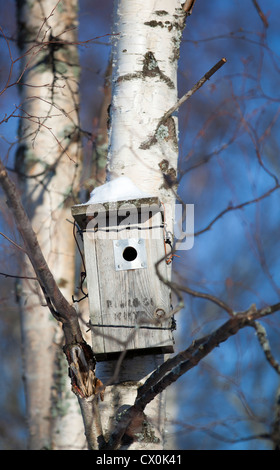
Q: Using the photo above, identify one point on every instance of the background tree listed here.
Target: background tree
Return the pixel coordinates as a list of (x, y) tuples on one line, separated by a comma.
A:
[(47, 163), (227, 162), (49, 138)]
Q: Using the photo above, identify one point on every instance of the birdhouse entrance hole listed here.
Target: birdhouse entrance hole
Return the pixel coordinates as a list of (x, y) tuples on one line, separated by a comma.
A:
[(130, 253)]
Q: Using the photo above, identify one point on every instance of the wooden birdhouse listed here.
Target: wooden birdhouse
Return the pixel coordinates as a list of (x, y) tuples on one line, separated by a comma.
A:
[(129, 305)]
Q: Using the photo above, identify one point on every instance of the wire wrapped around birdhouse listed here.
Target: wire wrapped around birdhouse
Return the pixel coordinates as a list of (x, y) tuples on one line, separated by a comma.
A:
[(130, 308)]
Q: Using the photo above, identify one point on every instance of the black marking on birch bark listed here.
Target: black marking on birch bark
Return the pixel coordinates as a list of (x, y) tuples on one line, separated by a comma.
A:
[(165, 131), (154, 24), (129, 76), (150, 69), (169, 174), (161, 12)]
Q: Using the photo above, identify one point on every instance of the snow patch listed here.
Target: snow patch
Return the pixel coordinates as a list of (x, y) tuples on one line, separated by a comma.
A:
[(119, 189)]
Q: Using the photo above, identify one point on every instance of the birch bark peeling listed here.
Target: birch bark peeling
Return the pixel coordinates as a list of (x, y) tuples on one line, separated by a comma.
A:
[(144, 87)]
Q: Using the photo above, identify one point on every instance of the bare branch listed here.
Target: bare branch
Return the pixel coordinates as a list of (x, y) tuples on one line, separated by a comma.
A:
[(237, 207), (177, 289), (19, 277), (261, 14), (67, 314), (174, 368), (168, 114), (78, 353), (188, 6), (200, 348), (12, 242)]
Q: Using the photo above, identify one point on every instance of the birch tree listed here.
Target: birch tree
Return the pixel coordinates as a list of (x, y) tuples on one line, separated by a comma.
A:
[(47, 164), (145, 52)]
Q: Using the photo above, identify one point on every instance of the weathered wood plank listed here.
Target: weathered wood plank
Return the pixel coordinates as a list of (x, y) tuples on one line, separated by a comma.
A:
[(127, 306)]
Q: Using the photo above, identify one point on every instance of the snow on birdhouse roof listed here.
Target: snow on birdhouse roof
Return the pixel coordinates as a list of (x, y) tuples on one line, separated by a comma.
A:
[(111, 196), (118, 189)]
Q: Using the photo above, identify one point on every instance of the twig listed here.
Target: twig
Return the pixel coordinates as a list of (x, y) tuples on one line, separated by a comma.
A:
[(177, 289), (188, 6), (196, 87), (210, 297), (13, 243), (261, 14), (19, 277), (223, 438), (152, 140), (237, 207)]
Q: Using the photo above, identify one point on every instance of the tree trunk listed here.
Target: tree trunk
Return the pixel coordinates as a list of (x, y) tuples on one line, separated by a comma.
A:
[(145, 55), (47, 164), (144, 86)]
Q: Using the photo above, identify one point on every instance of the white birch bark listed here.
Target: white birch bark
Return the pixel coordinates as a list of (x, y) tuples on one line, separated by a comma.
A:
[(144, 86), (49, 148), (147, 433)]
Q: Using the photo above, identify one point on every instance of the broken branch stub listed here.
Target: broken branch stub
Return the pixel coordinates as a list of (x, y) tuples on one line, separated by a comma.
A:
[(81, 361)]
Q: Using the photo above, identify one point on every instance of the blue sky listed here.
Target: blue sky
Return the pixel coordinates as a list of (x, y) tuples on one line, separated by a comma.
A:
[(233, 391)]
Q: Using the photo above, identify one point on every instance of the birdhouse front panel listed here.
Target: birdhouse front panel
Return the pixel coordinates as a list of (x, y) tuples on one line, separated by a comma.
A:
[(129, 305)]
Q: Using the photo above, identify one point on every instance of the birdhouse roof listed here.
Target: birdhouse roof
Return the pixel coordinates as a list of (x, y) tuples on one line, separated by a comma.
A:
[(83, 212)]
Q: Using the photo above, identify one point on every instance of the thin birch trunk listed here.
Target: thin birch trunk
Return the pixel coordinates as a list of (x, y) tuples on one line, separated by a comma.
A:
[(47, 165), (144, 86)]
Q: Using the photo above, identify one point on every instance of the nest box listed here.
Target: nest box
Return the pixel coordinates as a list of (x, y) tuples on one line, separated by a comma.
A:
[(130, 307)]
